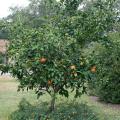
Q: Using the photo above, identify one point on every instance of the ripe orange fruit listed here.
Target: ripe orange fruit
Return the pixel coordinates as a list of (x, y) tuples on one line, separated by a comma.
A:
[(93, 69), (72, 67), (49, 82), (43, 60)]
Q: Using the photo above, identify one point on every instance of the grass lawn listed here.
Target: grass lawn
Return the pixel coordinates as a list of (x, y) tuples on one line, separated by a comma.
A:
[(10, 98)]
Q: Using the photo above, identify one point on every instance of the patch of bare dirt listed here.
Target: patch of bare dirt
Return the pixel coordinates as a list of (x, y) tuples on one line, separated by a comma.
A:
[(9, 86), (113, 106)]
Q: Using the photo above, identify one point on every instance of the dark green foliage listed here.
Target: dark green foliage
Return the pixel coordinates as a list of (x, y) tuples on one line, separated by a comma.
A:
[(4, 33), (69, 111), (110, 73), (105, 82), (110, 91)]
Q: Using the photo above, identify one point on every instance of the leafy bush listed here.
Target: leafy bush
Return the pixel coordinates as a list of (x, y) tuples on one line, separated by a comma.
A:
[(69, 111), (105, 82)]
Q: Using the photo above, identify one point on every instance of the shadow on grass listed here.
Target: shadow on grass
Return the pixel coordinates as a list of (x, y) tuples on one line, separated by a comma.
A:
[(64, 111)]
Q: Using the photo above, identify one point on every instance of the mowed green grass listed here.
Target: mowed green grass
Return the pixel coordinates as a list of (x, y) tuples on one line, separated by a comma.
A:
[(10, 98)]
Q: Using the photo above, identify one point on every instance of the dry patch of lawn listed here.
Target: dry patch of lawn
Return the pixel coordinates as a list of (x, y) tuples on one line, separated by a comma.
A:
[(7, 83), (8, 86), (6, 78)]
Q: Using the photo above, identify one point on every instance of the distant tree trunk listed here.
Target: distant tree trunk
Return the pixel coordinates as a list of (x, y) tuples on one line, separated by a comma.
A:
[(5, 55), (5, 58)]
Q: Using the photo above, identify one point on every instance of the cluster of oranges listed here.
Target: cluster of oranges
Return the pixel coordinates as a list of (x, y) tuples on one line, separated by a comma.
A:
[(73, 67), (43, 60), (92, 69)]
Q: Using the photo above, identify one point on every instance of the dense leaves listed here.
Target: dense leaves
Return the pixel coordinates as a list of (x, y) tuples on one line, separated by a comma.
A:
[(69, 111), (105, 83)]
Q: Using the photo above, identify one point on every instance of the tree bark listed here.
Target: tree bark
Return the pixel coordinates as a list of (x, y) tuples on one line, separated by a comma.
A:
[(52, 106)]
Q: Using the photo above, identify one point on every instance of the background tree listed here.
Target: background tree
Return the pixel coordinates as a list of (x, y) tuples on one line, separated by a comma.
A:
[(104, 81), (3, 30)]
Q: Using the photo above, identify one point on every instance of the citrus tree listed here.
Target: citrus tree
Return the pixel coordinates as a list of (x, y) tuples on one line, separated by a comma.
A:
[(48, 58), (44, 61)]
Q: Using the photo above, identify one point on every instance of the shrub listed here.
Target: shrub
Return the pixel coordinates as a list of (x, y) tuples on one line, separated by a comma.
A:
[(67, 111), (105, 82), (109, 91)]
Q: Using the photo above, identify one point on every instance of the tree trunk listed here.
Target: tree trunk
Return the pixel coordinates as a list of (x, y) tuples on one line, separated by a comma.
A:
[(52, 106)]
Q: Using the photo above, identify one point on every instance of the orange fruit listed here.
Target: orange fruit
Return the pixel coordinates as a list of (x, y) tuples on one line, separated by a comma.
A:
[(49, 82), (93, 69), (43, 60)]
